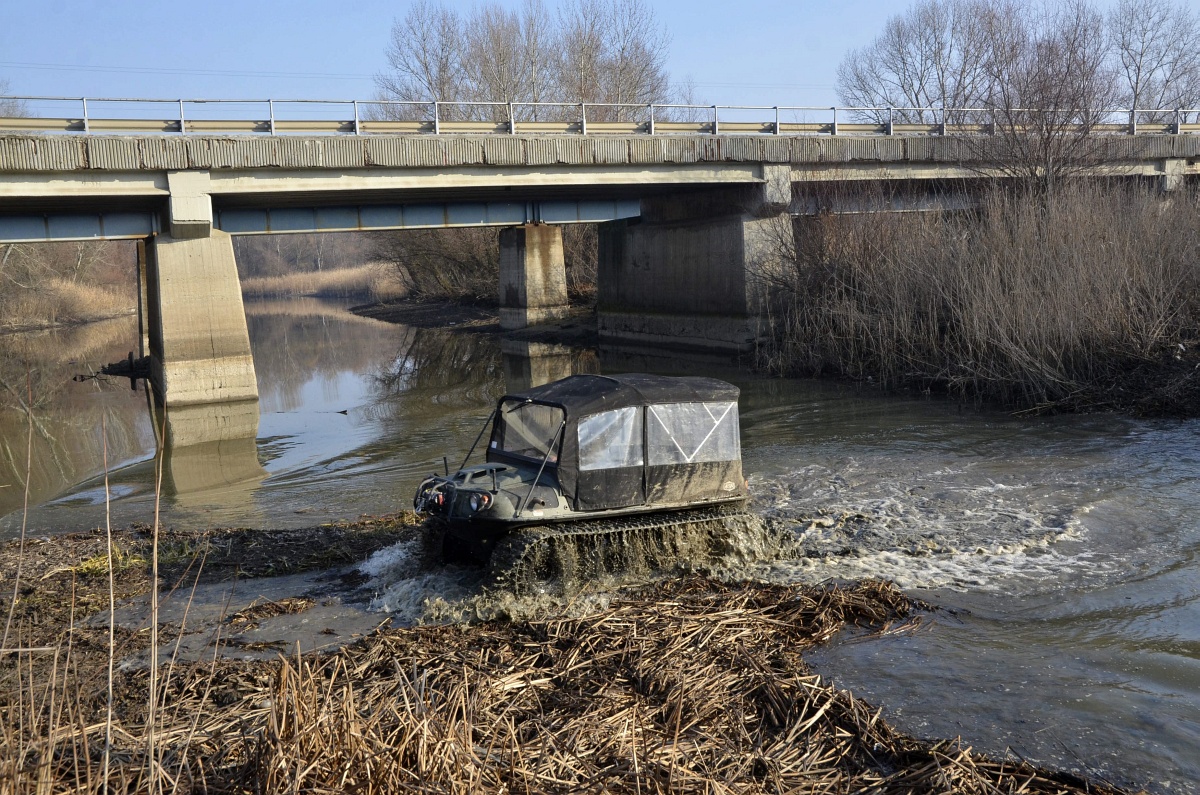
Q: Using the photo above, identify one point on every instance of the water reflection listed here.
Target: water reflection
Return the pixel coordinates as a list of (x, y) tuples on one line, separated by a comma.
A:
[(60, 420), (529, 364), (209, 453), (1094, 631)]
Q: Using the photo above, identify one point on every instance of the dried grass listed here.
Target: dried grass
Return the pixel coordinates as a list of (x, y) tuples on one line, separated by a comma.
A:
[(1083, 299), (688, 686), (60, 302), (375, 282)]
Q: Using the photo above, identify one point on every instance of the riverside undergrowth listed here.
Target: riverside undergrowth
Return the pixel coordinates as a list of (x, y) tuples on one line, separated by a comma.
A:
[(1085, 299)]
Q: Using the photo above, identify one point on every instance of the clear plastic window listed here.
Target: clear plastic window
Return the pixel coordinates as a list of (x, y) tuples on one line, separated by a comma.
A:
[(690, 433), (529, 429), (611, 439)]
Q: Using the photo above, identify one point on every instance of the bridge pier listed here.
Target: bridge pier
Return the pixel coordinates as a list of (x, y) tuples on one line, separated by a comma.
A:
[(194, 322), (533, 276), (685, 275)]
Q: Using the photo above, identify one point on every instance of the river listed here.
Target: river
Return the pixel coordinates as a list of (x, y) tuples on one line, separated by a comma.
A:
[(1060, 551)]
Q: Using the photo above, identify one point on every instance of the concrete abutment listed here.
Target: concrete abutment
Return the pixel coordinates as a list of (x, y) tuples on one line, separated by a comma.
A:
[(193, 321)]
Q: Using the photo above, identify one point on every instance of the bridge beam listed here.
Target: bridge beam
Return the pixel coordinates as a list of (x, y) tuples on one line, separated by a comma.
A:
[(190, 206), (195, 322), (533, 276)]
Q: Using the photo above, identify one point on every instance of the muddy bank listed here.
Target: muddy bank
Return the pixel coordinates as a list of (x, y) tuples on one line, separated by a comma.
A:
[(690, 684), (577, 329)]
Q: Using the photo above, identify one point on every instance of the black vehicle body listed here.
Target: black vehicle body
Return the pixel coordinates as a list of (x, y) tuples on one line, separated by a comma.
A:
[(593, 447)]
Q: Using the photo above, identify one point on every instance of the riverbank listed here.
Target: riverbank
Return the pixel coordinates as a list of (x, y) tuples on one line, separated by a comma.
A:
[(373, 282), (1077, 301), (688, 684), (578, 328)]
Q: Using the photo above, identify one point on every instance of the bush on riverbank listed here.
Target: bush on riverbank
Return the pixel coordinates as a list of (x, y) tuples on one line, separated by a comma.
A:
[(1087, 299)]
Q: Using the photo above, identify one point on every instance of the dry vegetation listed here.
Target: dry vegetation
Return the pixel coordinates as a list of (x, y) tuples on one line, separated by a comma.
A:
[(43, 285), (463, 265), (687, 686), (1088, 299), (369, 282)]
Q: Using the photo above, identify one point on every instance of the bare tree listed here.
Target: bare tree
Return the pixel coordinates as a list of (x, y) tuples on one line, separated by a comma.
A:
[(1157, 49), (635, 63), (931, 56), (425, 55), (9, 107), (1050, 83), (582, 43)]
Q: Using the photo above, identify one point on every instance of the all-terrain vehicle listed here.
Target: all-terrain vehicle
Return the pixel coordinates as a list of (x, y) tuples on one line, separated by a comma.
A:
[(599, 471)]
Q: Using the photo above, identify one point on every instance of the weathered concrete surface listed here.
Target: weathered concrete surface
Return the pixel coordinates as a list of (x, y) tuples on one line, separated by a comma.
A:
[(199, 342), (162, 153), (533, 276), (686, 280), (190, 208)]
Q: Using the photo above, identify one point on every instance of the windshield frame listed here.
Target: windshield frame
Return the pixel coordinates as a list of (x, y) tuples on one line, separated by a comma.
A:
[(500, 427)]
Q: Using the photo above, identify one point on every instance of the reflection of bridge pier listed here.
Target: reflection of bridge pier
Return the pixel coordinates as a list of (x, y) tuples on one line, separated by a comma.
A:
[(209, 451), (530, 364)]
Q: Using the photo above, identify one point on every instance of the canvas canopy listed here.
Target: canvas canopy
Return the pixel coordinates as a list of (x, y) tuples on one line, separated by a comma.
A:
[(626, 440)]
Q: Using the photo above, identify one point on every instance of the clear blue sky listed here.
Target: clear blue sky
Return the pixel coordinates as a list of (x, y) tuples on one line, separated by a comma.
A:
[(774, 52)]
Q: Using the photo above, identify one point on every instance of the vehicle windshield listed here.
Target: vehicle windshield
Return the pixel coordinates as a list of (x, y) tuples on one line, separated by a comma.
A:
[(528, 430)]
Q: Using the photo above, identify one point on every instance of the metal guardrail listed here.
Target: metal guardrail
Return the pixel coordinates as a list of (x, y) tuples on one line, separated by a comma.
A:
[(366, 117)]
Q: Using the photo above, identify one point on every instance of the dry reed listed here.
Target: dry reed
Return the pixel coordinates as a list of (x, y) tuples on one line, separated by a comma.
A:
[(685, 686), (1084, 299), (59, 302), (374, 282)]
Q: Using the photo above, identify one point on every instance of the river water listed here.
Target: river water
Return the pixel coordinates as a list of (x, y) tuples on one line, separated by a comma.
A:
[(1061, 552)]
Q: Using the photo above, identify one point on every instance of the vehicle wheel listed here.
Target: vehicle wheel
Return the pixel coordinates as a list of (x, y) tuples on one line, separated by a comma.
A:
[(454, 553)]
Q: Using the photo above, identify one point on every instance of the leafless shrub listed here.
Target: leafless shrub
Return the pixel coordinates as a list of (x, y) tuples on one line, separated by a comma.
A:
[(1086, 300), (49, 284)]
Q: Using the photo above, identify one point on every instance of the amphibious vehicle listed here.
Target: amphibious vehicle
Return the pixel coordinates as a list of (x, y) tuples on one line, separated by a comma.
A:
[(592, 465)]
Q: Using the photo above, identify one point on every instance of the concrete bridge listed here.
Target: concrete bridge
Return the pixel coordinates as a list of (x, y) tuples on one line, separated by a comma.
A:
[(684, 217)]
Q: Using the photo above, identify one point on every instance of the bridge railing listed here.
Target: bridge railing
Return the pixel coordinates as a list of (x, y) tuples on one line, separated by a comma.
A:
[(33, 114)]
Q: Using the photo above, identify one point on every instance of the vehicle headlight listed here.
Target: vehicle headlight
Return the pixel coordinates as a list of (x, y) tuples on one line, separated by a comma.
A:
[(480, 501)]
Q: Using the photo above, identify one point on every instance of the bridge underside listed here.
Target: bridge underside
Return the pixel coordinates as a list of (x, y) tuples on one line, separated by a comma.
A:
[(49, 227), (685, 225)]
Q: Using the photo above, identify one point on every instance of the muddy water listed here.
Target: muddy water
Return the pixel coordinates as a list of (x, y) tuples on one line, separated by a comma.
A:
[(1062, 550)]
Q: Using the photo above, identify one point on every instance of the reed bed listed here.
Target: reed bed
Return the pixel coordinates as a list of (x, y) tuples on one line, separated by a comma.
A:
[(687, 686), (375, 282), (1082, 299), (61, 302)]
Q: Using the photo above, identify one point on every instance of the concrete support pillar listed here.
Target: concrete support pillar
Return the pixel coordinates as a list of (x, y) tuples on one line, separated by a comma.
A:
[(195, 322), (533, 277), (691, 283), (1173, 171)]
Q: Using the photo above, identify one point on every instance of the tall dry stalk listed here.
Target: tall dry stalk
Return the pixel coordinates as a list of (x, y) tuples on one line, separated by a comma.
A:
[(112, 605), (1085, 299), (12, 606)]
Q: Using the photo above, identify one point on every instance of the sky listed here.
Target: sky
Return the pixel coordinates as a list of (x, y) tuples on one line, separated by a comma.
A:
[(773, 52)]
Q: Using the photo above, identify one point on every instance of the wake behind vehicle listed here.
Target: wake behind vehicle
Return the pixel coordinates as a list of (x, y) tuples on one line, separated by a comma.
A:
[(593, 467)]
